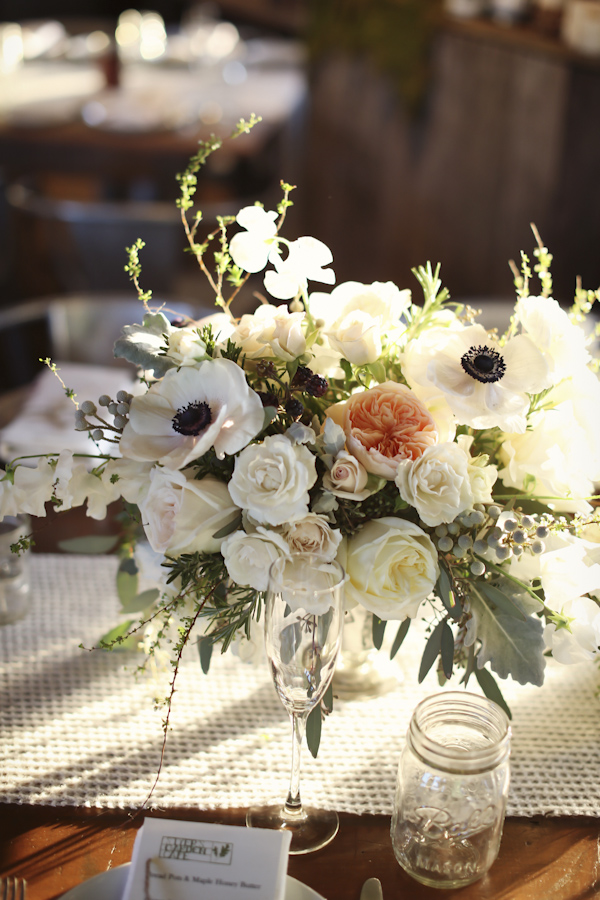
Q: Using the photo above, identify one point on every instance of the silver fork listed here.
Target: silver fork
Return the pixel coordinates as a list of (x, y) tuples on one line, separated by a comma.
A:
[(13, 888)]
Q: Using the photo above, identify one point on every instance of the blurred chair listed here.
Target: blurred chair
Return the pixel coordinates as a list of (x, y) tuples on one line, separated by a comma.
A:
[(79, 328), (71, 245)]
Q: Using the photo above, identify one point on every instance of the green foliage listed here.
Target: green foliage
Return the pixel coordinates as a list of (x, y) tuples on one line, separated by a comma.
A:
[(378, 630), (313, 730), (143, 345), (399, 639)]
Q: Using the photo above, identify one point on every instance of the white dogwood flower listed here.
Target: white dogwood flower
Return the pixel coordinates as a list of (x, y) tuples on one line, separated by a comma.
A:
[(305, 260), (250, 249)]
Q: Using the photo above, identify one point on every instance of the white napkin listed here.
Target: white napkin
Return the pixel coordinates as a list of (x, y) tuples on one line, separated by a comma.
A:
[(47, 422)]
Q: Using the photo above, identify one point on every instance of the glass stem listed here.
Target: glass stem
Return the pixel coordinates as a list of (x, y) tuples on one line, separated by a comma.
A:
[(293, 804)]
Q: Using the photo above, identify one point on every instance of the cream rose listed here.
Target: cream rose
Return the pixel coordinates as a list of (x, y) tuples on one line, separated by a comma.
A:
[(271, 480), (313, 534), (248, 557), (181, 514), (384, 425), (482, 477), (357, 337), (271, 331), (392, 566), (347, 478), (436, 484)]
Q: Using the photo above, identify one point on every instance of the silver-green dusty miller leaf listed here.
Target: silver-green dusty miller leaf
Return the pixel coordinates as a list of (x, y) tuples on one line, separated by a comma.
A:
[(512, 643), (141, 344)]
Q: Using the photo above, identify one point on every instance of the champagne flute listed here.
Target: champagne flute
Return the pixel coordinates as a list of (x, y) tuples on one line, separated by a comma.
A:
[(304, 616)]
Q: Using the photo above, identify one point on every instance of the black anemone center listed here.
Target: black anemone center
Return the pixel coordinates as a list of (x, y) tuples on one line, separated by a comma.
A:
[(484, 364), (192, 419)]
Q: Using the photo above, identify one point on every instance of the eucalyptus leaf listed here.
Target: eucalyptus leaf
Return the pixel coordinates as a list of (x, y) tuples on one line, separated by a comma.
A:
[(378, 631), (447, 649), (232, 526), (117, 638), (489, 686), (432, 650), (400, 635), (447, 595), (313, 730), (512, 646), (127, 582), (327, 700), (140, 601), (142, 344), (270, 414), (91, 545), (205, 650)]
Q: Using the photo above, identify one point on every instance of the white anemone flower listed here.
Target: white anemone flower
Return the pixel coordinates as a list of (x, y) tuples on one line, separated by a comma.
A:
[(485, 384), (191, 410), (250, 249), (305, 260)]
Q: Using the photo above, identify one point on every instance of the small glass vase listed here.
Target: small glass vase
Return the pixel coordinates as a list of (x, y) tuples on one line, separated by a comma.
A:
[(451, 790), (362, 671)]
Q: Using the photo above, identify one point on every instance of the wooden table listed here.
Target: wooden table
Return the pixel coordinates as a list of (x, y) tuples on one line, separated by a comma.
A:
[(543, 859)]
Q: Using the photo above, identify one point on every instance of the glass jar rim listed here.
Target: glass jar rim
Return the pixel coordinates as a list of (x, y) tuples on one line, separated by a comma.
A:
[(460, 707), (311, 559)]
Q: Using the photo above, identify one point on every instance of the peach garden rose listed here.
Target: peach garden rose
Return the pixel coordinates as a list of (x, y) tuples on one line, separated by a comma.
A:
[(385, 425)]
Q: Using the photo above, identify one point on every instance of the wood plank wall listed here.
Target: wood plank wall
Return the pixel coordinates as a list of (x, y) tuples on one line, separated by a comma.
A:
[(507, 135)]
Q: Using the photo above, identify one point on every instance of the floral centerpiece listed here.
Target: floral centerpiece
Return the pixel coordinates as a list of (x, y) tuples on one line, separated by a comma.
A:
[(450, 469)]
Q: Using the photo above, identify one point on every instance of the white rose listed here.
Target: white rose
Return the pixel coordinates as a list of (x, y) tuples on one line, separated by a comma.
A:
[(186, 346), (248, 557), (181, 515), (286, 338), (357, 337), (482, 477), (383, 301), (271, 480), (436, 484), (313, 534), (392, 566), (347, 478)]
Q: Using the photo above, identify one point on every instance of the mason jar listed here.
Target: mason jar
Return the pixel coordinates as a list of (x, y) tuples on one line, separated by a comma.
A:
[(451, 790)]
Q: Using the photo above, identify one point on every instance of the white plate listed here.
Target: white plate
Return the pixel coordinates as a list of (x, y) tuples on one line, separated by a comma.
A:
[(111, 884)]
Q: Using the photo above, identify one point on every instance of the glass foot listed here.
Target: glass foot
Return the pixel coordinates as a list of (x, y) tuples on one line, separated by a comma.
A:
[(311, 828)]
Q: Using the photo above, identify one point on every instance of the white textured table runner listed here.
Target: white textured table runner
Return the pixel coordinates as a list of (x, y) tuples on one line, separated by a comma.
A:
[(78, 730)]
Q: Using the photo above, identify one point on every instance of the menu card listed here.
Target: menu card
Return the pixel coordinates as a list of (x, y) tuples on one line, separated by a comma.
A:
[(177, 860)]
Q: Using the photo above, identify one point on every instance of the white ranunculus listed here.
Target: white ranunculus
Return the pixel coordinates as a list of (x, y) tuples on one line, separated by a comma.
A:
[(305, 260), (562, 343), (250, 249), (347, 477), (381, 301), (248, 557), (436, 484), (581, 640), (482, 477), (181, 514), (185, 346), (271, 480), (392, 566), (486, 385), (313, 534), (191, 410)]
